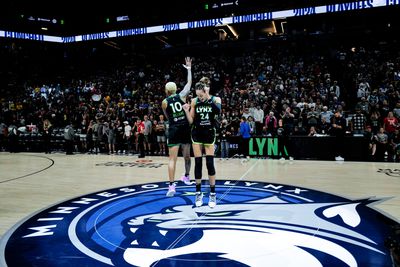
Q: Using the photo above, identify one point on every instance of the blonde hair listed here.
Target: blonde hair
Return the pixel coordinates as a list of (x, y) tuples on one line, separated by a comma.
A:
[(170, 88)]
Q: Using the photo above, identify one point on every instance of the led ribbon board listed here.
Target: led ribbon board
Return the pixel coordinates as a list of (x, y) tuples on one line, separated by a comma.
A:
[(297, 12)]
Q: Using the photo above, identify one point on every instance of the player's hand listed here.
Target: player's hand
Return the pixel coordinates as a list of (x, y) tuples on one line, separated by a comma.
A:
[(188, 63), (186, 107)]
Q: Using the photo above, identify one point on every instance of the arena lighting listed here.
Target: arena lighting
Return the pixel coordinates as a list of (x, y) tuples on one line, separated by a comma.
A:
[(232, 31), (230, 28), (122, 18), (112, 44), (44, 19), (297, 12), (274, 26), (163, 39), (282, 26)]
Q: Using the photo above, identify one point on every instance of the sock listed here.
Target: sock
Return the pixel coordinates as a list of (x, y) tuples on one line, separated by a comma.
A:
[(212, 188), (171, 183), (198, 187)]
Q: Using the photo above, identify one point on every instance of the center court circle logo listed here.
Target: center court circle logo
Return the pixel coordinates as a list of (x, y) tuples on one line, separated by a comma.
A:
[(254, 223)]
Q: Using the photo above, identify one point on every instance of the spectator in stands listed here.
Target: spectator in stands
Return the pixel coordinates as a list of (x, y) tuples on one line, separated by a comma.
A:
[(364, 105), (288, 121), (271, 124), (127, 137), (69, 136), (327, 114), (369, 135), (395, 146), (101, 140), (312, 118), (258, 115), (312, 131), (140, 129), (147, 134), (363, 89), (161, 135), (155, 148), (358, 122), (396, 110), (95, 137), (245, 134), (246, 112), (373, 99), (375, 121), (323, 127), (252, 125), (119, 140), (111, 137), (224, 139), (3, 134), (381, 140), (384, 108), (47, 129), (390, 124), (13, 137), (283, 141), (334, 90), (89, 138), (338, 130)]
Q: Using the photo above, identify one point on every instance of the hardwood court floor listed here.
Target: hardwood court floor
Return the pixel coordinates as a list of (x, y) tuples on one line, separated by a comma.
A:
[(32, 181)]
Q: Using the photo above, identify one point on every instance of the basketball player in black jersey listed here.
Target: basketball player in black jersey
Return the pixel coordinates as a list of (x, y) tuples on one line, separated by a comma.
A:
[(179, 129), (202, 114)]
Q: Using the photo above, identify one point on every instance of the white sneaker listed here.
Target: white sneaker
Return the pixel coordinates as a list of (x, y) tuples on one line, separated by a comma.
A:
[(282, 159), (291, 158), (199, 199), (339, 158), (212, 201), (171, 190)]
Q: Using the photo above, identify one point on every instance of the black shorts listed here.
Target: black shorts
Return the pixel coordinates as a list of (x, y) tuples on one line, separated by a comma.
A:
[(203, 135), (178, 134)]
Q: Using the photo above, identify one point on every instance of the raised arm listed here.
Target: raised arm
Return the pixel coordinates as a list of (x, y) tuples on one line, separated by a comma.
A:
[(188, 85)]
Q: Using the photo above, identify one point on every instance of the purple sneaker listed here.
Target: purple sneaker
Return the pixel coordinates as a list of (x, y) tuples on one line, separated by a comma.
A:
[(171, 190), (186, 179)]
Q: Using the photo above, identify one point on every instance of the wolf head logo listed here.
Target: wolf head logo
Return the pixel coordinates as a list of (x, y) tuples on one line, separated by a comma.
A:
[(252, 233)]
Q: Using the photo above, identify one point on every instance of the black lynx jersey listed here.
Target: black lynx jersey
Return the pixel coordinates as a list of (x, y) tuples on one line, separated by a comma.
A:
[(175, 112), (205, 114), (205, 122)]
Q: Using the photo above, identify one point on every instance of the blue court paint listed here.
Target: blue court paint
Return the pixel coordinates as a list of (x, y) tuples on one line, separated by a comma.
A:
[(253, 223)]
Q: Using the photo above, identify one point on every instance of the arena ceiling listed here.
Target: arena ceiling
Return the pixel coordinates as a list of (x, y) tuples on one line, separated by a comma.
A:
[(64, 18), (69, 18)]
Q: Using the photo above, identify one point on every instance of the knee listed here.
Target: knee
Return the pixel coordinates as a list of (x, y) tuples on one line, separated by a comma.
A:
[(210, 165)]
